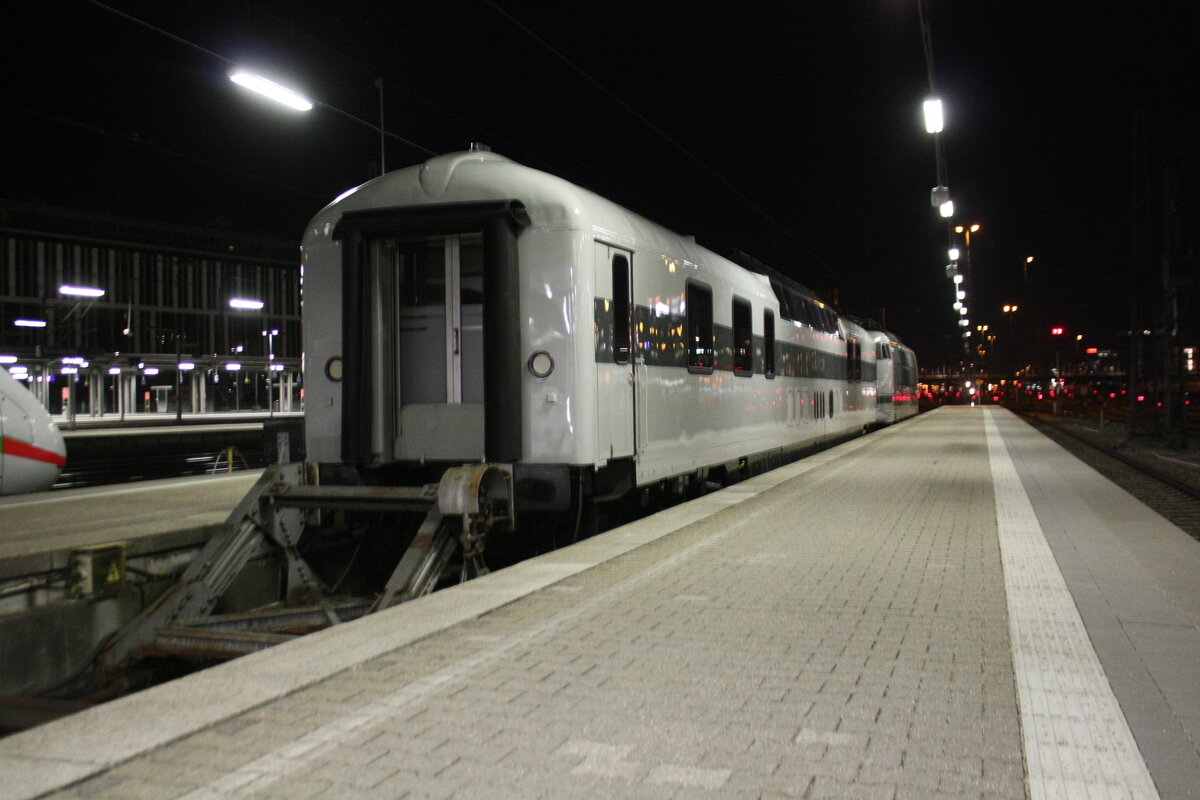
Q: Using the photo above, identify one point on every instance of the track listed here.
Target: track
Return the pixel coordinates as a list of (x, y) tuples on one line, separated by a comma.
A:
[(1170, 494)]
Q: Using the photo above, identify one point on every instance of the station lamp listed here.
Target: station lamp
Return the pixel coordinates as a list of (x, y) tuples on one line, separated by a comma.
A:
[(1057, 330), (80, 291), (934, 121), (270, 89)]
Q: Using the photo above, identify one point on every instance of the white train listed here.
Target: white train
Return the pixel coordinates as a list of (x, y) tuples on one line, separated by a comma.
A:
[(32, 453), (472, 309)]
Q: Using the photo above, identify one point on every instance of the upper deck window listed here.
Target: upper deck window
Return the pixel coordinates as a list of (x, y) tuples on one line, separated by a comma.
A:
[(769, 343), (699, 327), (743, 339)]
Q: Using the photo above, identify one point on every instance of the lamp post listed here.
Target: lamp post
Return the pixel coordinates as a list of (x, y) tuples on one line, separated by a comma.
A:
[(1008, 309), (270, 334), (82, 294), (967, 230)]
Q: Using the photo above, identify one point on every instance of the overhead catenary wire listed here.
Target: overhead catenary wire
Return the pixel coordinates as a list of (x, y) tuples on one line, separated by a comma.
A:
[(738, 193)]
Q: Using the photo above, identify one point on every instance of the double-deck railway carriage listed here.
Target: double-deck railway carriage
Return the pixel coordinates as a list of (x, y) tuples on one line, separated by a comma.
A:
[(897, 378), (472, 309), (485, 342)]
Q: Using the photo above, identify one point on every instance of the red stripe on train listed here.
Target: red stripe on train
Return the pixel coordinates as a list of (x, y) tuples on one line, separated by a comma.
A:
[(15, 447)]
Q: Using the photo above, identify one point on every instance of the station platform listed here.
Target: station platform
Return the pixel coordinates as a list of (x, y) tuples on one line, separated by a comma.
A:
[(951, 607)]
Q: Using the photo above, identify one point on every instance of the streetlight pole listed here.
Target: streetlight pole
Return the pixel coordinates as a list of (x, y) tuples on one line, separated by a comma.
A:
[(270, 334)]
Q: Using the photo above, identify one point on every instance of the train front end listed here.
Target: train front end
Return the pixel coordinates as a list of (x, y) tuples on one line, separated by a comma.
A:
[(32, 452)]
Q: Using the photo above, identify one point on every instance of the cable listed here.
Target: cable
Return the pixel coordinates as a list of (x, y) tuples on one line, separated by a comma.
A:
[(665, 136)]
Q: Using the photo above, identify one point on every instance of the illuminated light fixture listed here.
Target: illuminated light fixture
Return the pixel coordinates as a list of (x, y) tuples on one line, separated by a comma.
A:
[(246, 303), (934, 121), (954, 253), (80, 291), (276, 368), (958, 278), (961, 295), (8, 359), (957, 305), (151, 370), (233, 366), (69, 370), (29, 323), (270, 89), (185, 365), (946, 209), (114, 370)]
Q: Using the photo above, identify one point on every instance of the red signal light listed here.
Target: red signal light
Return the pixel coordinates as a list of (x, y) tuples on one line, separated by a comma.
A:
[(1056, 331)]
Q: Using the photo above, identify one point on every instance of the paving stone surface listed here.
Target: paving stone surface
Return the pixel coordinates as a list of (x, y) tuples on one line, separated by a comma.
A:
[(844, 634)]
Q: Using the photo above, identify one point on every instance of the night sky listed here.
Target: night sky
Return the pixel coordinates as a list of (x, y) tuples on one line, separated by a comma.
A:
[(791, 132)]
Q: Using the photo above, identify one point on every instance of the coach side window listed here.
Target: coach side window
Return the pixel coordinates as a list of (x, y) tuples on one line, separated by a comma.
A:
[(699, 327), (743, 339), (769, 343), (622, 341)]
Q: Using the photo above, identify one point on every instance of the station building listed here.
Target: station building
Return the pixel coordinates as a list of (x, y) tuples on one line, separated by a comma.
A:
[(106, 315)]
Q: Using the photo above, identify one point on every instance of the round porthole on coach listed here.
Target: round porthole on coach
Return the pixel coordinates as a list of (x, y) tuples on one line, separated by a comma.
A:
[(541, 364)]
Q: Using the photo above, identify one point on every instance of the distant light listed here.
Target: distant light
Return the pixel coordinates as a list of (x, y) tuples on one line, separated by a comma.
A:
[(961, 295), (8, 359), (276, 367), (29, 323), (185, 365), (946, 209), (280, 94), (151, 370), (933, 115), (954, 253), (244, 302), (80, 291), (233, 366), (114, 370), (69, 370), (958, 278)]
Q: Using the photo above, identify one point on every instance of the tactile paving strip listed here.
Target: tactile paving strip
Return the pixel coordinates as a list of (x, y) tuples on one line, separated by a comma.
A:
[(1077, 742)]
